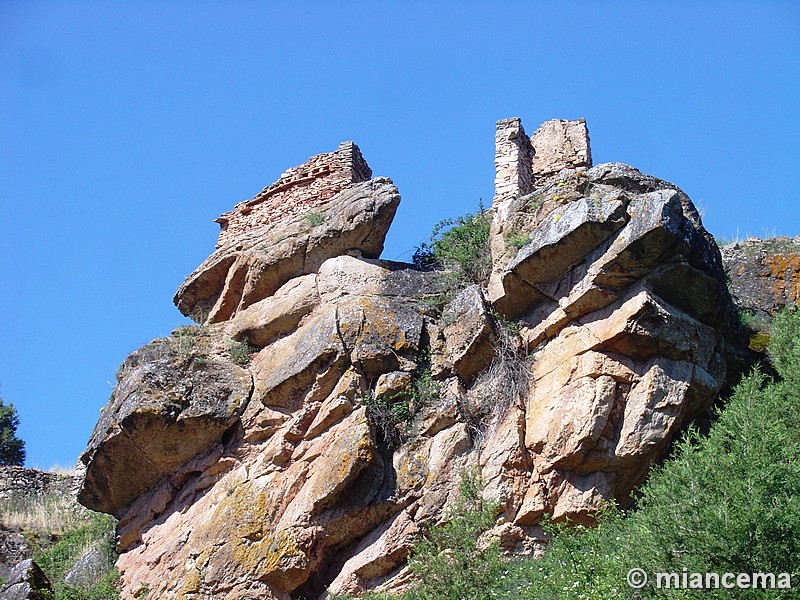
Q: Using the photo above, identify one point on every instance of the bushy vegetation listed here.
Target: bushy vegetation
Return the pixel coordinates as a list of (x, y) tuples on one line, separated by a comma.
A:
[(12, 448), (726, 502), (460, 248), (518, 240), (240, 352), (451, 561), (57, 559), (313, 219), (60, 532)]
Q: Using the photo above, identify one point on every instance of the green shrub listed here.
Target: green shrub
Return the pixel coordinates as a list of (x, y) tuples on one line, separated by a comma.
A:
[(449, 561), (391, 416), (460, 248), (60, 531), (726, 502), (517, 240), (240, 352), (755, 321), (785, 345), (313, 219)]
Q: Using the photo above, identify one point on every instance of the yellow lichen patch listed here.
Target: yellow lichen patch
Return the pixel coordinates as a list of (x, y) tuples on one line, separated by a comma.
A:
[(244, 516), (381, 322), (270, 558), (785, 274), (191, 584), (758, 342), (413, 472)]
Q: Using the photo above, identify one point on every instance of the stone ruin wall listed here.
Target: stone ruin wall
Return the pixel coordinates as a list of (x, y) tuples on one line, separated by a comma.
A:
[(521, 160), (297, 190), (19, 481)]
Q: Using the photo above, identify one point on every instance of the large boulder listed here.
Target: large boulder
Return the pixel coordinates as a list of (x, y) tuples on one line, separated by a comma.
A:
[(624, 314), (25, 581), (174, 398), (256, 263)]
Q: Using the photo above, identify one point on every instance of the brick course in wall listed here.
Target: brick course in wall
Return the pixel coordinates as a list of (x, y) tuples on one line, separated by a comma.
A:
[(298, 190)]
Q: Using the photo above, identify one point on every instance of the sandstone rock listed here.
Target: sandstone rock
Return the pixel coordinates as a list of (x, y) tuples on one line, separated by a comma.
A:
[(379, 332), (764, 274), (468, 334), (377, 554), (276, 315), (347, 275), (162, 413), (276, 480), (258, 262), (559, 243), (393, 384)]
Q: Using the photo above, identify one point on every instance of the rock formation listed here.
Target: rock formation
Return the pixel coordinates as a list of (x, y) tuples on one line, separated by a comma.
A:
[(311, 465), (764, 274)]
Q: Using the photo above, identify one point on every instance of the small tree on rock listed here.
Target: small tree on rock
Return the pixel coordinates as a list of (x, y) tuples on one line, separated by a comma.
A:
[(12, 449)]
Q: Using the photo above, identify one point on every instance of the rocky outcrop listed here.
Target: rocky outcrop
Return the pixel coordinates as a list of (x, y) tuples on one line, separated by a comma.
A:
[(310, 465), (764, 274), (20, 577), (255, 264), (26, 581)]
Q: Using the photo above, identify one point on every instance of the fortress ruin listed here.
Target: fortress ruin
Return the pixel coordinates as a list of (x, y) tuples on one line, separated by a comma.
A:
[(297, 190), (521, 160)]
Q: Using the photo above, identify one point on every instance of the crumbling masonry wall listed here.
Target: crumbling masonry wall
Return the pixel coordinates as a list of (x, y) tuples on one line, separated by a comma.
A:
[(521, 161), (297, 190), (512, 160)]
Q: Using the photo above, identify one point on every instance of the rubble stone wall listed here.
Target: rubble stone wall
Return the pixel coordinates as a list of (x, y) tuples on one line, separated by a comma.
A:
[(512, 161), (18, 481), (297, 190)]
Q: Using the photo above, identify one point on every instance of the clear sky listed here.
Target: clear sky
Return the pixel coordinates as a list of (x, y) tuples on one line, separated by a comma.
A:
[(127, 127)]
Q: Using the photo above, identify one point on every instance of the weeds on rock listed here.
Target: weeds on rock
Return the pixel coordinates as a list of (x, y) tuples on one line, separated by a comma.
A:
[(449, 561), (391, 416), (459, 248), (313, 219), (60, 532), (517, 240), (184, 339), (240, 352)]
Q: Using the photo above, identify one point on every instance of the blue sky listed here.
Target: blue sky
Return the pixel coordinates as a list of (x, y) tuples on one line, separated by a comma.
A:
[(126, 128)]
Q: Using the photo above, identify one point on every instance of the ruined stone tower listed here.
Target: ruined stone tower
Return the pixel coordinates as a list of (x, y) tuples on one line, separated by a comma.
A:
[(520, 160)]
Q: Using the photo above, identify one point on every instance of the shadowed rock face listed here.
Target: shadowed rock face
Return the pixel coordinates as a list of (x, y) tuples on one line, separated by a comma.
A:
[(296, 473)]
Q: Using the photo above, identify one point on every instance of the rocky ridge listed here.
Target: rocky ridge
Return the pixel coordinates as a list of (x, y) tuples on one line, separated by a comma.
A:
[(309, 466)]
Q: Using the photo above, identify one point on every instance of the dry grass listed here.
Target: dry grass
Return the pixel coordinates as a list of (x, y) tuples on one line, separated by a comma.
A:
[(39, 513), (505, 381)]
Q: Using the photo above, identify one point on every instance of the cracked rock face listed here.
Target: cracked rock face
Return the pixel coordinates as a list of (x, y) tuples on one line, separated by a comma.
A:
[(312, 468), (254, 265)]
